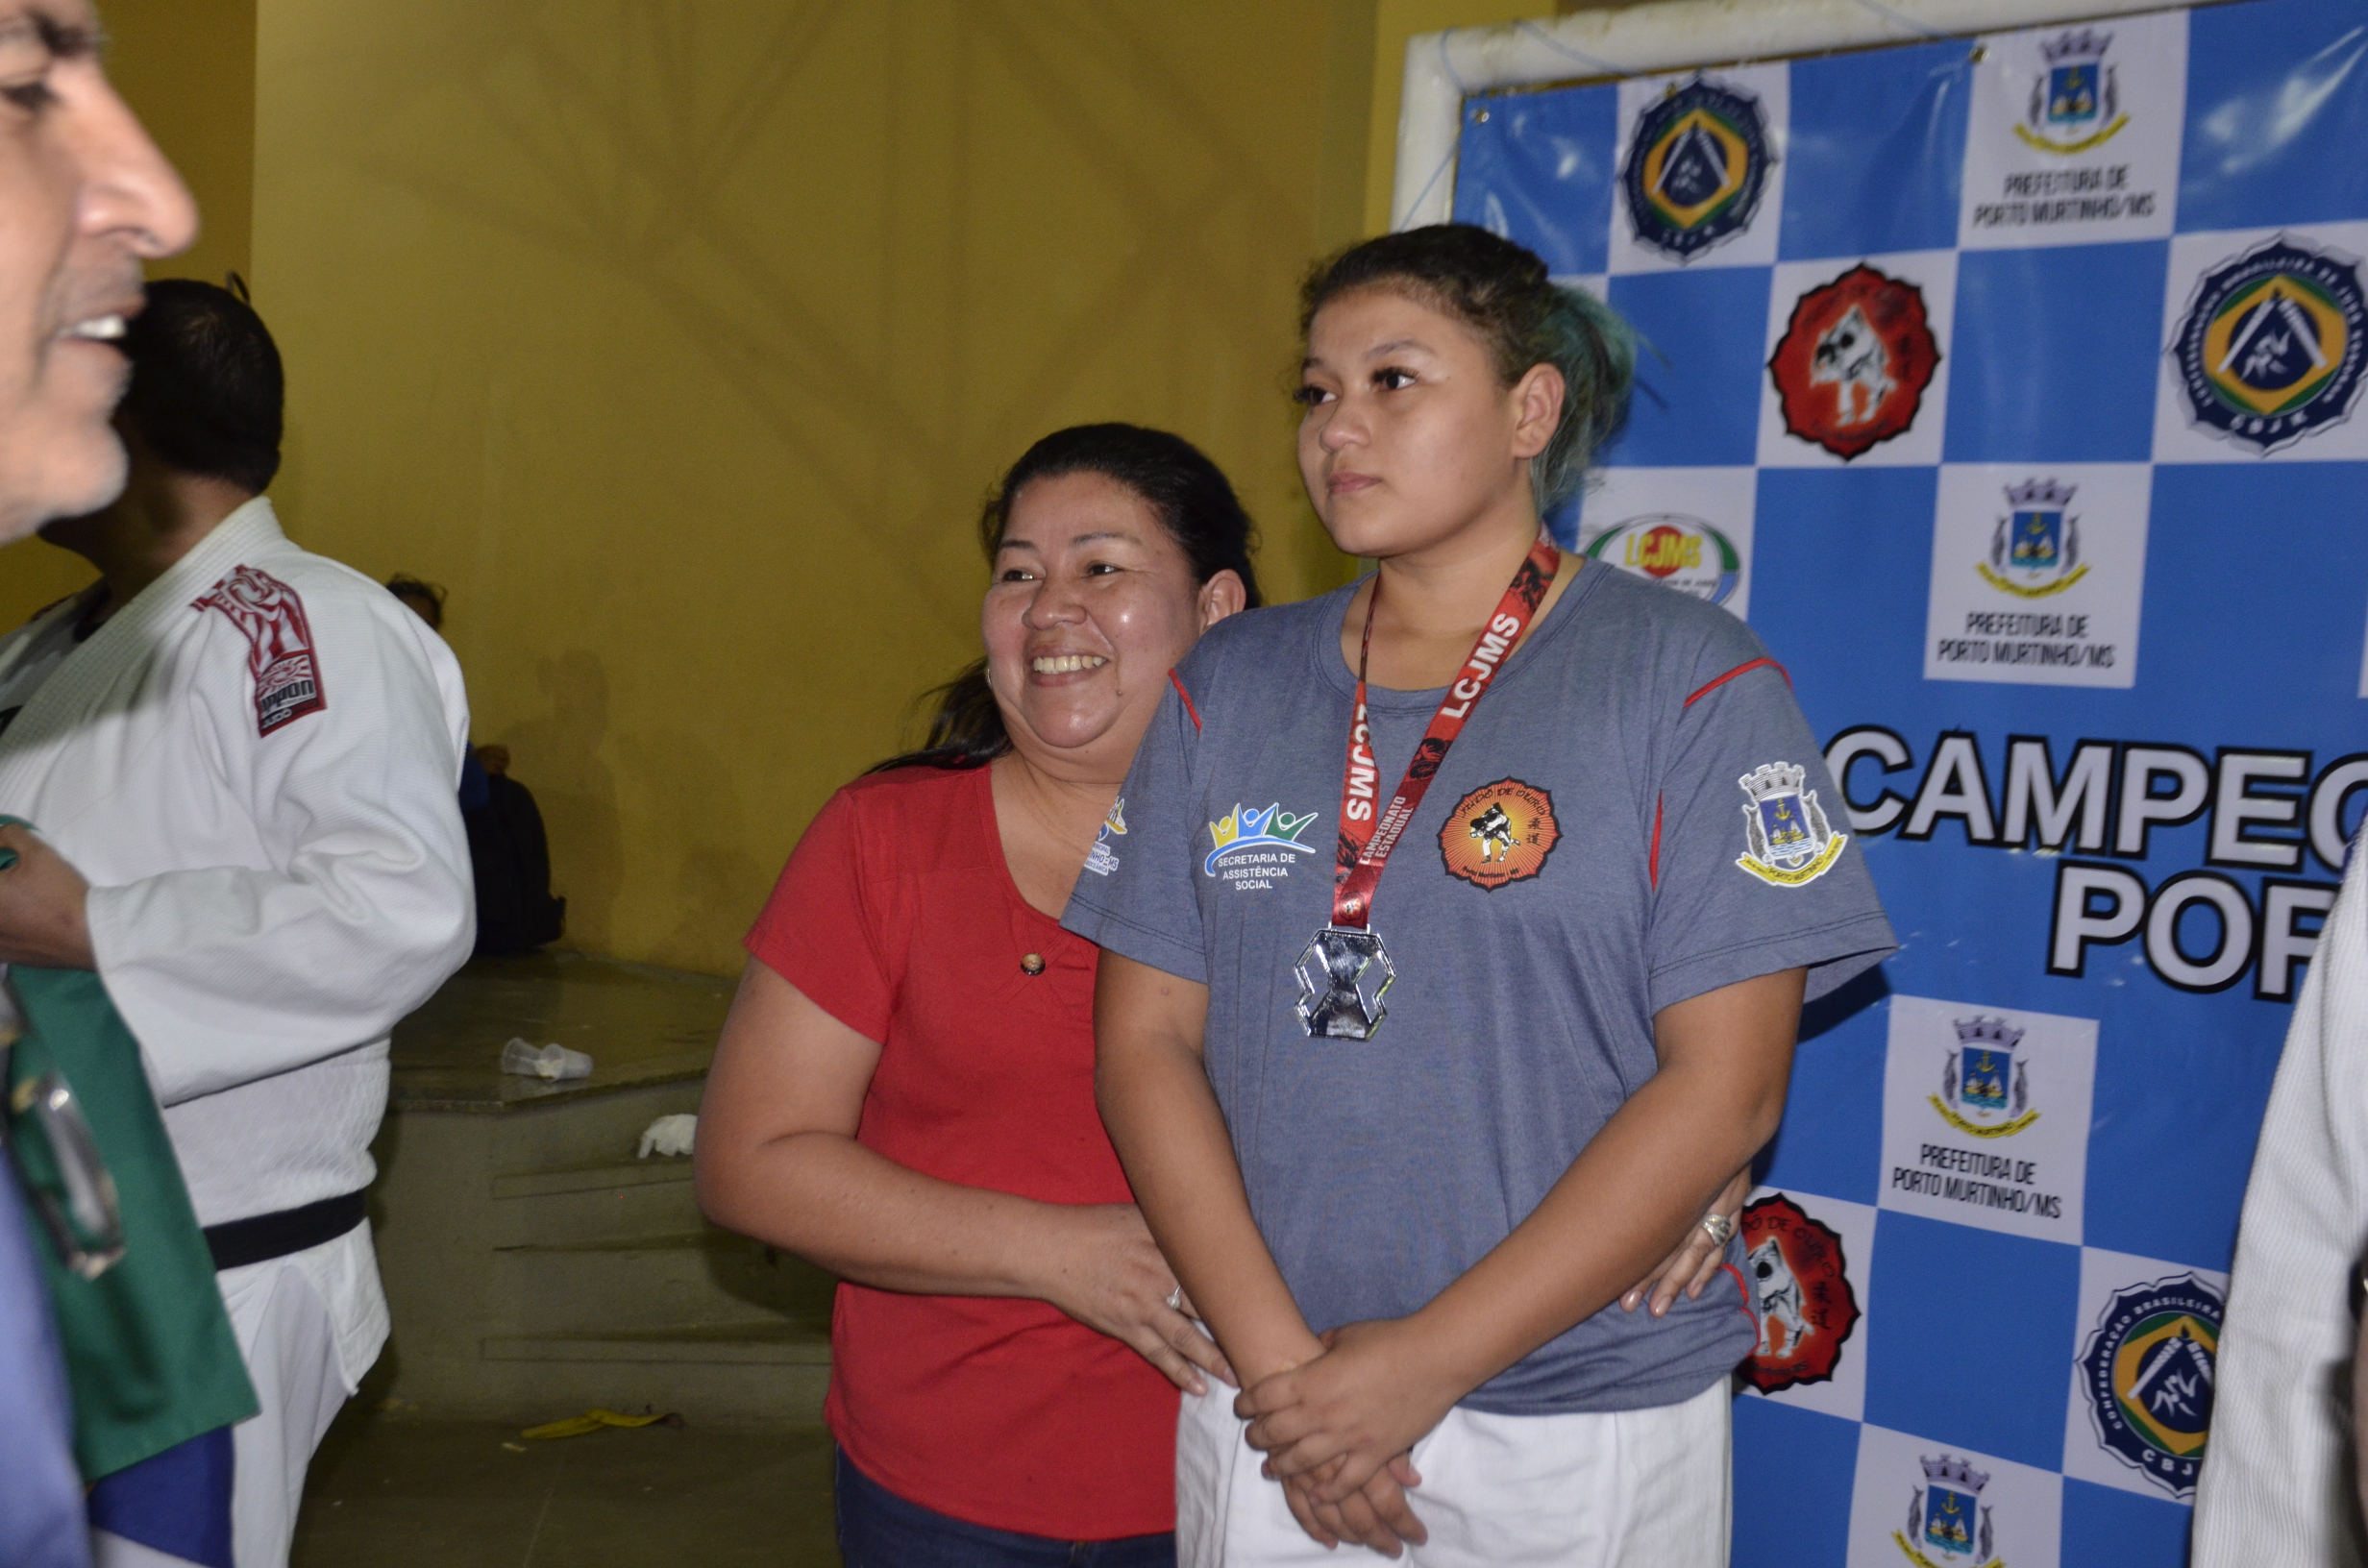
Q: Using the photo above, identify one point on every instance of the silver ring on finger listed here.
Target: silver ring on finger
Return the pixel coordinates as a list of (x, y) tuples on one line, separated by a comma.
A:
[(1175, 1299), (1718, 1227)]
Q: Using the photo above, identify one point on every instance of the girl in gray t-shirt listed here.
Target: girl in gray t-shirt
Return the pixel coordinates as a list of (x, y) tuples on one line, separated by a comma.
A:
[(1453, 961)]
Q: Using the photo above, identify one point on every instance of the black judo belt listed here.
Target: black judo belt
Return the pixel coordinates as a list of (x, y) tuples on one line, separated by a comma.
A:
[(266, 1236)]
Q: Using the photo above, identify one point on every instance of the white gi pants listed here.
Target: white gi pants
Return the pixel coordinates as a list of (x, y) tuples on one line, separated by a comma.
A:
[(1629, 1489), (290, 1344)]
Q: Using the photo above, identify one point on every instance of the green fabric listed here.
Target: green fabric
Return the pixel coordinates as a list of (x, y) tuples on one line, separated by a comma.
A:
[(148, 1346)]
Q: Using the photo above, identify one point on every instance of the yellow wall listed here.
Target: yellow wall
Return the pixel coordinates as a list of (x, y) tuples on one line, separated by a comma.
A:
[(681, 337), (187, 66)]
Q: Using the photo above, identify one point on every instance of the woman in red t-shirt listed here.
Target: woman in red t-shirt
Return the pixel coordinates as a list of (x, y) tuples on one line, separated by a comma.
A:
[(904, 1091)]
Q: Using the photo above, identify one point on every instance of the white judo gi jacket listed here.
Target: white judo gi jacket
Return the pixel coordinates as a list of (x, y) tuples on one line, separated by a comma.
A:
[(254, 765), (2277, 1486)]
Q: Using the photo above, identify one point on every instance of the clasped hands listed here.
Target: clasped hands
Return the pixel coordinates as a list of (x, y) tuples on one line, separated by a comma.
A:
[(1339, 1431)]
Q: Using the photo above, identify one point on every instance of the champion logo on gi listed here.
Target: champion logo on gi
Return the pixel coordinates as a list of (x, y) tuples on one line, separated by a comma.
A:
[(1948, 1524), (1854, 361), (2270, 347), (1787, 839), (2076, 104), (1675, 551), (1697, 166), (1254, 848), (1985, 1082), (1102, 860), (1801, 1292), (2148, 1371), (2035, 550)]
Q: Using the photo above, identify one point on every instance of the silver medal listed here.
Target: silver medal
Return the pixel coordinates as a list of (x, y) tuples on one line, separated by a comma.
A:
[(1342, 977)]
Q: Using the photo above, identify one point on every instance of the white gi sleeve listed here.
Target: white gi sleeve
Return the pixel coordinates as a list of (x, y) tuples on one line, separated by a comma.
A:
[(352, 899), (2275, 1488)]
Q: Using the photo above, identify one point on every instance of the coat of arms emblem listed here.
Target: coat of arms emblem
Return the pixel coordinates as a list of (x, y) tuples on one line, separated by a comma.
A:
[(1948, 1524), (2035, 550), (2074, 103), (1854, 361), (1786, 837), (1986, 1081)]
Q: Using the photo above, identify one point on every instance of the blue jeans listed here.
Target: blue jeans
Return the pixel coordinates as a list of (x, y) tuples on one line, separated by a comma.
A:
[(879, 1529)]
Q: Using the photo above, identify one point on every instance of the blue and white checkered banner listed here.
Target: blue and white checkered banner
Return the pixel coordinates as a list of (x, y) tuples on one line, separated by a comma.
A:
[(2011, 388)]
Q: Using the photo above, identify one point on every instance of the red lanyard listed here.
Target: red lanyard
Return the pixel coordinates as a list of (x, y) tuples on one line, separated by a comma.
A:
[(1366, 842)]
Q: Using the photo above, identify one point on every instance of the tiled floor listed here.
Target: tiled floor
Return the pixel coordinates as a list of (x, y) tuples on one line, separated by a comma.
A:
[(388, 1492)]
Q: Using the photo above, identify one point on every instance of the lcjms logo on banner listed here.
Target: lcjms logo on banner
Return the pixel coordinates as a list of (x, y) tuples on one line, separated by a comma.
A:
[(1697, 168), (2269, 350), (1675, 551)]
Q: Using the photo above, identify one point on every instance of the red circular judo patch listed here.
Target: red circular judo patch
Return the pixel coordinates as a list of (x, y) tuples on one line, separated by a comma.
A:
[(1853, 364), (1795, 1269), (1499, 833)]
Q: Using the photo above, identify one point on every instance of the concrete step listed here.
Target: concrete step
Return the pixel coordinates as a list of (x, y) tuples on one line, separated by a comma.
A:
[(752, 1343), (591, 1176), (693, 1276), (751, 1373), (589, 1200)]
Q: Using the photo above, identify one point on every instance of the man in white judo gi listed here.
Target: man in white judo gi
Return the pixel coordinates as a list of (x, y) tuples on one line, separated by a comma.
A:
[(85, 197), (241, 759), (2278, 1488)]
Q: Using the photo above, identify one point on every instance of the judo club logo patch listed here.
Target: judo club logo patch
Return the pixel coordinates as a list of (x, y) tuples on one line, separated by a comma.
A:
[(2076, 102), (1677, 552), (1786, 840), (1984, 1082), (1948, 1524), (2148, 1372), (280, 653), (1801, 1293), (1697, 166), (1499, 833), (1854, 361), (2035, 551), (2270, 347)]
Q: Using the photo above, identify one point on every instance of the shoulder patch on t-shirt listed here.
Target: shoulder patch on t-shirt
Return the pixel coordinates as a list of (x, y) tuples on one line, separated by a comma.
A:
[(1786, 840), (1499, 833), (1102, 860), (280, 653)]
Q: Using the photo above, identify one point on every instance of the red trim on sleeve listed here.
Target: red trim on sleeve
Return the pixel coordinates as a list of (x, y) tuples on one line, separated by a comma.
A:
[(1741, 1287), (1187, 697), (1652, 868), (1739, 670)]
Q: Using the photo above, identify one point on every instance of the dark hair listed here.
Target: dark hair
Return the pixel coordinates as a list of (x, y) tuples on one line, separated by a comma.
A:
[(403, 585), (1501, 291), (1193, 500), (206, 388)]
